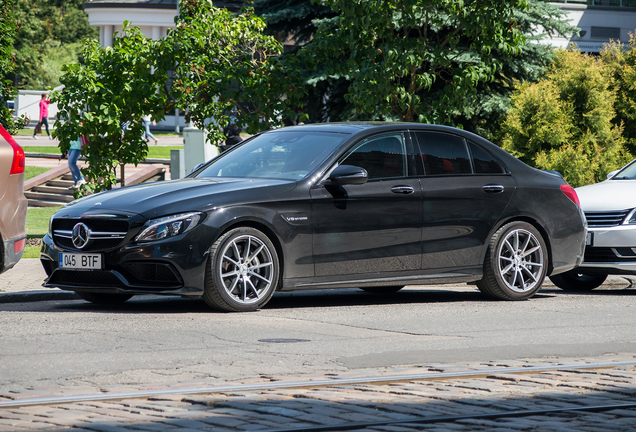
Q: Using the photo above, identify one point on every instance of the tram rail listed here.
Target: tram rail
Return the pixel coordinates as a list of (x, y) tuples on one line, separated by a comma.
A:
[(378, 379)]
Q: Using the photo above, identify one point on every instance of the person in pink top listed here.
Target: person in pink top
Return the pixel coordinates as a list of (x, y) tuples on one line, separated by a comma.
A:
[(44, 116)]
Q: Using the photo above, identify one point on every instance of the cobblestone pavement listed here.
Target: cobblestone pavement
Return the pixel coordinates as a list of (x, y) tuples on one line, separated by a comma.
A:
[(341, 405)]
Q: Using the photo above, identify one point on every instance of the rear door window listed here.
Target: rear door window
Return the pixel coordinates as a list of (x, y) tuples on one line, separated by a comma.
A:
[(443, 154)]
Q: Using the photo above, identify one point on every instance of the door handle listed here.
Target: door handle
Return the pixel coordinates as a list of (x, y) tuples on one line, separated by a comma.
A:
[(402, 190), (493, 188)]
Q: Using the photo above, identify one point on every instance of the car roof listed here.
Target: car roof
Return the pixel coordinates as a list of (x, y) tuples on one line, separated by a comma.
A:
[(359, 126)]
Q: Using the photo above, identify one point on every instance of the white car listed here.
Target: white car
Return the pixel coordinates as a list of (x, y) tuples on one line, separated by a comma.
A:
[(610, 210)]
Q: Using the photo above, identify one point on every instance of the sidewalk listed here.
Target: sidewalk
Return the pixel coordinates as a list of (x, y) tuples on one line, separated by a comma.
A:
[(23, 283)]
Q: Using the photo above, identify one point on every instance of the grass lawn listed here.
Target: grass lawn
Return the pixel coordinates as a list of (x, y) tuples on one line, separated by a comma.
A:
[(32, 171), (154, 152), (37, 225)]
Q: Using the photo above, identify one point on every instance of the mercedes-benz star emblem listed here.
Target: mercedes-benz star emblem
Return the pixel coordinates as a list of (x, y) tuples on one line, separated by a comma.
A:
[(81, 235)]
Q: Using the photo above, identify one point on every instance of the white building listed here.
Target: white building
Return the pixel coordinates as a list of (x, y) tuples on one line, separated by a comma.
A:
[(600, 21)]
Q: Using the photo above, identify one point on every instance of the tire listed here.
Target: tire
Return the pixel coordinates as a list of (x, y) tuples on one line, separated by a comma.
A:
[(382, 289), (242, 272), (515, 264), (574, 281), (103, 298)]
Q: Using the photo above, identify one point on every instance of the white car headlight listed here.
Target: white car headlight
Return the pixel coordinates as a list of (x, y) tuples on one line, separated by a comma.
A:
[(169, 226), (631, 217)]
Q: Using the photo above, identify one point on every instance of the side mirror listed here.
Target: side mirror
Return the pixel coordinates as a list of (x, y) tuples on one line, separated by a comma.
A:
[(348, 175), (612, 174)]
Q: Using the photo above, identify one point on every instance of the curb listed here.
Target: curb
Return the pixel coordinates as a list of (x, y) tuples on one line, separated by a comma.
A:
[(34, 296)]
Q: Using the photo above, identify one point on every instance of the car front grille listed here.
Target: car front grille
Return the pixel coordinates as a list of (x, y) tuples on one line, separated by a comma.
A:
[(605, 219), (147, 276), (106, 234)]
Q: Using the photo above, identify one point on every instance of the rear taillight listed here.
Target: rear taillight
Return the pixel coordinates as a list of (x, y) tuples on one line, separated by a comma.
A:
[(17, 166), (570, 193), (18, 246)]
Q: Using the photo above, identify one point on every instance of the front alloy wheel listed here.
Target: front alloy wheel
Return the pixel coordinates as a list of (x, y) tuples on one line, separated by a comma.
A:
[(243, 271), (515, 265)]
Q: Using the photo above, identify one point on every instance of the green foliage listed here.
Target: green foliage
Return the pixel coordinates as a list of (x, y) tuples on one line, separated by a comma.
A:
[(564, 122), (55, 56), (226, 69), (480, 109), (7, 63), (621, 64), (45, 27), (412, 60), (292, 19), (115, 87)]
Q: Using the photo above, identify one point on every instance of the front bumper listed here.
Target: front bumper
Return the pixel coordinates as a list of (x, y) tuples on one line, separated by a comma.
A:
[(612, 250), (169, 267)]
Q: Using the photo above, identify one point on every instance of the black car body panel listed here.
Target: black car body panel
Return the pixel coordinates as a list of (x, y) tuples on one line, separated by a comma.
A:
[(409, 223)]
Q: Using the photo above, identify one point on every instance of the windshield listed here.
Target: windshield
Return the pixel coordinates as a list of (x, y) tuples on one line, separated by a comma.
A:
[(627, 173), (278, 154)]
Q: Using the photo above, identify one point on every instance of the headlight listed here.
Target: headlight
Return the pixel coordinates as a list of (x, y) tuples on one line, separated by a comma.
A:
[(169, 226), (631, 217)]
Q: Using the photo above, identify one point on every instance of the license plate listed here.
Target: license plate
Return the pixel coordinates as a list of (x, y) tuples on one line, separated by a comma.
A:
[(589, 239), (80, 261)]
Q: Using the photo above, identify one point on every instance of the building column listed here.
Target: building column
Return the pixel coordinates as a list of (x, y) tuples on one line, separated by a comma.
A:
[(108, 36)]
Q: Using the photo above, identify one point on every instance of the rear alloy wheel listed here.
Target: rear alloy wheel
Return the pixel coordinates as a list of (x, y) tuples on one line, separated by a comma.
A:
[(243, 271), (103, 298), (515, 264), (574, 281), (382, 289)]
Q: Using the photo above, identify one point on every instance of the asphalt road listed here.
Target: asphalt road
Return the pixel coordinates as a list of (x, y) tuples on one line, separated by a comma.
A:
[(150, 339)]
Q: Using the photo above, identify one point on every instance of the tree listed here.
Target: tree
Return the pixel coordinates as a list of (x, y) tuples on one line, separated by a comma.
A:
[(415, 61), (45, 27), (223, 70), (7, 64), (226, 69), (621, 63), (564, 122), (105, 97), (480, 110)]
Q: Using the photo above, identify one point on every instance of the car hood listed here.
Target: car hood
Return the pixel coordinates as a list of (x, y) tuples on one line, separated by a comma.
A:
[(177, 196), (608, 195)]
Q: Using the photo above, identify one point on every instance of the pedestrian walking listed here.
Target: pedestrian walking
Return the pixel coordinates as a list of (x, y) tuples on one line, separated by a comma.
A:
[(147, 133), (44, 116), (73, 155)]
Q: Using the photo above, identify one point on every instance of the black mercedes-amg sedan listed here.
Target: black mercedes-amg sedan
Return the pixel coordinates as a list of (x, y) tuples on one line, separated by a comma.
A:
[(371, 205)]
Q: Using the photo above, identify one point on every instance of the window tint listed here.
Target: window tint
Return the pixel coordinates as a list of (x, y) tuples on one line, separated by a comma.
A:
[(484, 162), (382, 157), (443, 154)]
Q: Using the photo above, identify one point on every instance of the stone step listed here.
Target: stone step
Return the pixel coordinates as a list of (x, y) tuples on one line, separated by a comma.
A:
[(53, 190), (67, 177), (60, 183), (49, 197), (38, 203)]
